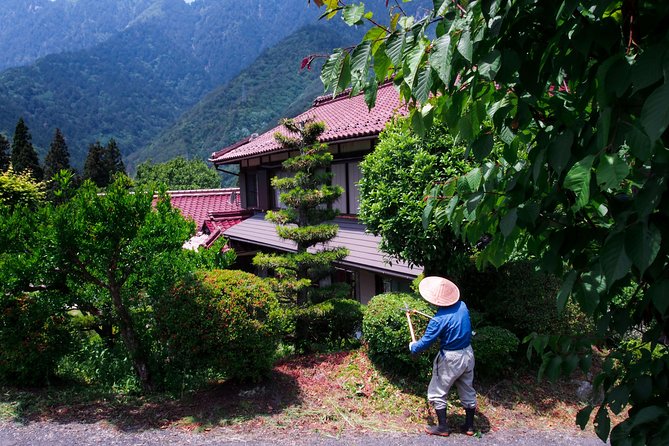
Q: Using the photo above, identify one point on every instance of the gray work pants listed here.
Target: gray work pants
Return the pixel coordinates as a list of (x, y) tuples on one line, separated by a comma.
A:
[(453, 367)]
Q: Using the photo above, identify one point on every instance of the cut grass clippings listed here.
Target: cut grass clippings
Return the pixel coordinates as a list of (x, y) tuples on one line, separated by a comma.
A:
[(329, 393)]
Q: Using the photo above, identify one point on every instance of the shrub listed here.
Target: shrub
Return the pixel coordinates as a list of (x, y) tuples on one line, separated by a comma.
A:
[(328, 325), (228, 320), (494, 350), (386, 331), (524, 301), (34, 336)]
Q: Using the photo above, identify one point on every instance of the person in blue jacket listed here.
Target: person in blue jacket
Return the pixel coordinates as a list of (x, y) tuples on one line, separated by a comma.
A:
[(454, 364)]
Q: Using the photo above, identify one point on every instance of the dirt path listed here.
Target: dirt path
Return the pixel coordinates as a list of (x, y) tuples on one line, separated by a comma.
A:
[(77, 434)]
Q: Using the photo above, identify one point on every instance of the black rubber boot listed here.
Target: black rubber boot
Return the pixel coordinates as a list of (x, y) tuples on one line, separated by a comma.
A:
[(468, 427), (440, 429)]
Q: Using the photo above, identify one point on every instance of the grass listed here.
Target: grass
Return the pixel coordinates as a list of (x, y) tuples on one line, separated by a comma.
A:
[(329, 393)]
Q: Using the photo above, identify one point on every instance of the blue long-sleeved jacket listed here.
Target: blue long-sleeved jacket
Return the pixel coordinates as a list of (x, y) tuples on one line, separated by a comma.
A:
[(452, 325)]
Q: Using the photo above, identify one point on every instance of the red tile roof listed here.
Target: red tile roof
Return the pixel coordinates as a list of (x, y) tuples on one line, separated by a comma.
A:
[(200, 205), (345, 118)]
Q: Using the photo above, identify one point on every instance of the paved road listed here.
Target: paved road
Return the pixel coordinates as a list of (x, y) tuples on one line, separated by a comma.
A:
[(76, 434)]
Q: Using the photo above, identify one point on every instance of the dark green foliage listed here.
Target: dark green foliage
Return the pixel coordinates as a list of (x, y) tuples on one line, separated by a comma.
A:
[(495, 349), (34, 336), (228, 320), (95, 168), (522, 300), (303, 193), (179, 174), (5, 153), (577, 93), (103, 163), (58, 157), (328, 325), (24, 157), (386, 331), (392, 198), (113, 159)]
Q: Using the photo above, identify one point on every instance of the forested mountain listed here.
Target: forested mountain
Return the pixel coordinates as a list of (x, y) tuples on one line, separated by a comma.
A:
[(34, 28), (271, 88), (137, 82)]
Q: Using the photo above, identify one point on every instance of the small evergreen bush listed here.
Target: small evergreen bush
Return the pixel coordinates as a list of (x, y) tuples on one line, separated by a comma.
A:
[(494, 349), (386, 332), (34, 336), (328, 325)]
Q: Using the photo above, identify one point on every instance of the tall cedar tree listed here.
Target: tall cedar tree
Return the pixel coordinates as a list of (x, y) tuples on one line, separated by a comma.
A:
[(95, 168), (308, 197), (113, 159), (24, 156), (58, 157), (5, 150)]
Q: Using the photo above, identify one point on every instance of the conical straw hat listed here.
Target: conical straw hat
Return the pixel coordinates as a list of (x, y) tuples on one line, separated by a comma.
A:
[(439, 291)]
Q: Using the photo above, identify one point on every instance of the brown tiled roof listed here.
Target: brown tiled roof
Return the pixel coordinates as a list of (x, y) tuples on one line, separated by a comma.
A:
[(345, 118), (199, 205)]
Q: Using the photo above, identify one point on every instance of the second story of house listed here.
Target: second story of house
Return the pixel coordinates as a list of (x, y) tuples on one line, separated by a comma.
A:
[(351, 132)]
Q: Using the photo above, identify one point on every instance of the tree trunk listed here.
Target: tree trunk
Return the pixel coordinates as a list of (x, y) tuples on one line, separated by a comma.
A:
[(137, 354)]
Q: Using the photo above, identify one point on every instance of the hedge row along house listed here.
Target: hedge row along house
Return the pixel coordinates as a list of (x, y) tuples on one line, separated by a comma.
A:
[(351, 132)]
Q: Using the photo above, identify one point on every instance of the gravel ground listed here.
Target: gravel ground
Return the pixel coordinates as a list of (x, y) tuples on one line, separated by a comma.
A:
[(75, 434)]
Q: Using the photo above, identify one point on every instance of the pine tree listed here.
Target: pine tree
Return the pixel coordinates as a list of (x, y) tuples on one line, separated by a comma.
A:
[(24, 156), (95, 167), (58, 157), (5, 150), (113, 159), (308, 197)]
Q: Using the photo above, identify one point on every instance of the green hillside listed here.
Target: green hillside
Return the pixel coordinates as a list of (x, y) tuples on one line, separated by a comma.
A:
[(271, 88)]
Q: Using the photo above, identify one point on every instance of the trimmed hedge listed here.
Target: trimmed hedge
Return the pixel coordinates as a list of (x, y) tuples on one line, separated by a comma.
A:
[(328, 325), (386, 332), (495, 349), (226, 319)]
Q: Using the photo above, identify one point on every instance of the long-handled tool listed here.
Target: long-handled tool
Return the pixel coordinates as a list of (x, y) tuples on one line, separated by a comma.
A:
[(407, 310)]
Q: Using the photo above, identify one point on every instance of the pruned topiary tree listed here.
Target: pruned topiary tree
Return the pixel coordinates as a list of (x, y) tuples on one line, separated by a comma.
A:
[(308, 197)]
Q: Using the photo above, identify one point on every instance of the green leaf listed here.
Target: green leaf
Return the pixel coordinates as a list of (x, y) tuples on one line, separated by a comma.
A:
[(377, 36), (508, 223), (583, 416), (465, 46), (490, 64), (559, 151), (659, 295), (565, 290), (370, 93), (395, 48), (647, 415), (413, 61), (423, 85), (655, 112), (360, 62), (352, 14), (642, 243), (578, 181), (331, 69), (613, 258), (417, 123), (440, 6), (473, 179), (602, 423), (440, 58), (381, 64), (612, 170), (482, 146)]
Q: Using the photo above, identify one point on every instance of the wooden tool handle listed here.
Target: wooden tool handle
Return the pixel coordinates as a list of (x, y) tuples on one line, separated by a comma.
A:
[(413, 335)]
